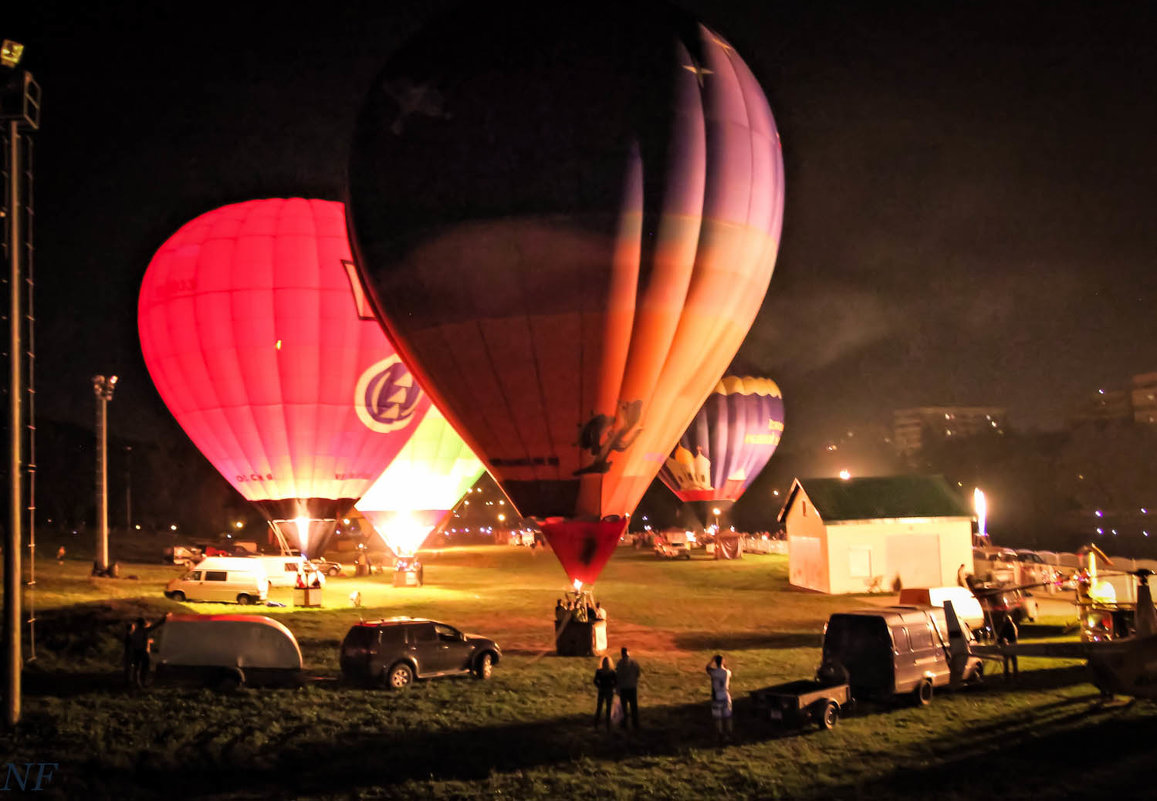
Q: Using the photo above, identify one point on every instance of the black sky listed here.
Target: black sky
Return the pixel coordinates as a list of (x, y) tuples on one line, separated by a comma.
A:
[(969, 185)]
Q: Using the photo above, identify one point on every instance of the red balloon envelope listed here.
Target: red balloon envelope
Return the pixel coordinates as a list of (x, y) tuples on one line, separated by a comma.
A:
[(253, 334), (568, 215)]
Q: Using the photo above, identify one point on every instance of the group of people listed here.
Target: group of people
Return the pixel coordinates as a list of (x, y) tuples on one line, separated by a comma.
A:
[(623, 680), (581, 609)]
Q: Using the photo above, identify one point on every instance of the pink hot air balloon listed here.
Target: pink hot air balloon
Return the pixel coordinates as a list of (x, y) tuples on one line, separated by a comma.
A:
[(260, 345)]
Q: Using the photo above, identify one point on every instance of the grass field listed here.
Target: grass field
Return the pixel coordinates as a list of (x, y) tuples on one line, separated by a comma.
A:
[(527, 733)]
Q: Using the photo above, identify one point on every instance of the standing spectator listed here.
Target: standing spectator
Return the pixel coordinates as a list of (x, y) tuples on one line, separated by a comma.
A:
[(1007, 635), (560, 614), (60, 555), (720, 695), (627, 681), (605, 680), (600, 613), (138, 641)]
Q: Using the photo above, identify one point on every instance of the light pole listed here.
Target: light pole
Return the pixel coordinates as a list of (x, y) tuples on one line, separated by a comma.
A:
[(20, 115), (103, 388), (128, 488)]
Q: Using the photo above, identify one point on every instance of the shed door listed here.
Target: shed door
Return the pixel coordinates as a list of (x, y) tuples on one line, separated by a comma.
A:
[(916, 558)]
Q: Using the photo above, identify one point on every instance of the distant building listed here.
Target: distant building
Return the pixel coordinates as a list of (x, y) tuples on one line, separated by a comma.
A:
[(911, 427), (1144, 397), (1137, 404), (867, 534)]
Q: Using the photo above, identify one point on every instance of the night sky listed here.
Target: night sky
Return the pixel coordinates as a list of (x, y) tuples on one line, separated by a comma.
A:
[(969, 185)]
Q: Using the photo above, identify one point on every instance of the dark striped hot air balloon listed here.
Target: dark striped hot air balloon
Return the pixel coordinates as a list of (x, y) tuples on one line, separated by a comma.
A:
[(728, 443), (568, 215), (254, 336)]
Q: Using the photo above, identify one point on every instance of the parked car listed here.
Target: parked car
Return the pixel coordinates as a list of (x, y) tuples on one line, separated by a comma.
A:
[(184, 555), (1035, 570), (222, 578), (997, 602), (995, 565), (327, 567), (396, 651), (226, 651)]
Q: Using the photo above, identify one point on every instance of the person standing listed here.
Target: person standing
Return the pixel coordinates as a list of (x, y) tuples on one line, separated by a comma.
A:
[(139, 642), (600, 613), (720, 677), (605, 680), (1007, 635), (627, 682)]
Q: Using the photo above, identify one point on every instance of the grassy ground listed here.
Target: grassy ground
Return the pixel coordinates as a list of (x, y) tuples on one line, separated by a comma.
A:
[(527, 732)]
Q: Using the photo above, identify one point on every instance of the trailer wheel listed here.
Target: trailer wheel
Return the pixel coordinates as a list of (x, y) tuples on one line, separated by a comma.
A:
[(231, 680), (829, 715), (922, 695)]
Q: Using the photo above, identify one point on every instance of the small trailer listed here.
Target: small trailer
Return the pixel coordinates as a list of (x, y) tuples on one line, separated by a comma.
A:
[(795, 703)]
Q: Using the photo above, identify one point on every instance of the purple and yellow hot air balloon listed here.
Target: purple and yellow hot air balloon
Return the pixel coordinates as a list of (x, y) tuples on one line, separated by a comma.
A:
[(728, 443)]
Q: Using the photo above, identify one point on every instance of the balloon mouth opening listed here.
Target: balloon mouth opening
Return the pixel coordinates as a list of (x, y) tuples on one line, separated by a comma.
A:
[(578, 585)]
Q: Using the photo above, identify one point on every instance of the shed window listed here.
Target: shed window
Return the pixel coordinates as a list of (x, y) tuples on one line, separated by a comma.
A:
[(803, 508)]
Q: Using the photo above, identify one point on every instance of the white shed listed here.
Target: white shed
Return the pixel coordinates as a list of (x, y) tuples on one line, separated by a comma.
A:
[(870, 534)]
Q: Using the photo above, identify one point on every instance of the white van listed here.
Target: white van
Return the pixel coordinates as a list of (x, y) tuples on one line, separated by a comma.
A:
[(967, 608), (231, 579), (226, 650), (283, 570)]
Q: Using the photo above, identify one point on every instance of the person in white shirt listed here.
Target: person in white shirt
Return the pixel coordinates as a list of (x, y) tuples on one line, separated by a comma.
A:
[(720, 695)]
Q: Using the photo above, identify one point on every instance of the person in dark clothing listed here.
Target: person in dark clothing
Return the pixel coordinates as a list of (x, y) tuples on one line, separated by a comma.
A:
[(605, 681), (137, 641), (1008, 634), (627, 682)]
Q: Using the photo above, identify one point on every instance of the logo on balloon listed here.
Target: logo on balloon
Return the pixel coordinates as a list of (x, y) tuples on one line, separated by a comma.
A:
[(386, 396)]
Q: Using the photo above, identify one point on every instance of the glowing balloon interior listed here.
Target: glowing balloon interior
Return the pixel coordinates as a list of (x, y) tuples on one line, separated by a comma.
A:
[(252, 334), (568, 251), (420, 487), (729, 442)]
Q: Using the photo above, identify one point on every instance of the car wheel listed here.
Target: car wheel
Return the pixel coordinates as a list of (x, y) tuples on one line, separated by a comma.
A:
[(334, 571), (400, 676), (922, 695), (178, 596), (484, 669), (244, 599), (829, 715)]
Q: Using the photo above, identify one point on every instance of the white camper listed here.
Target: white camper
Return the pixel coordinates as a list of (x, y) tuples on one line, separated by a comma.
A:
[(231, 579), (226, 650)]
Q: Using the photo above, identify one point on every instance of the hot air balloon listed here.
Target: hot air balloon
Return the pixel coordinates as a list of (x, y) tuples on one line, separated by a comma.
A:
[(253, 333), (422, 484), (728, 443), (567, 217)]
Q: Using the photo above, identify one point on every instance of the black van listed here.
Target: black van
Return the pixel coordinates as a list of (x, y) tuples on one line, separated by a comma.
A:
[(896, 650)]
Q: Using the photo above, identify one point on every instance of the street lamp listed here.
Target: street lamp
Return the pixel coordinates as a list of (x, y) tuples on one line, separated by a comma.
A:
[(102, 388)]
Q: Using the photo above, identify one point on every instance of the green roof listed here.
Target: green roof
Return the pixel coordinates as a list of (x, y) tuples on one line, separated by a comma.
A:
[(881, 497)]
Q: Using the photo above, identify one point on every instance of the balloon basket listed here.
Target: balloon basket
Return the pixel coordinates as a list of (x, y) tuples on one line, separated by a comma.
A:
[(578, 638), (307, 597)]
